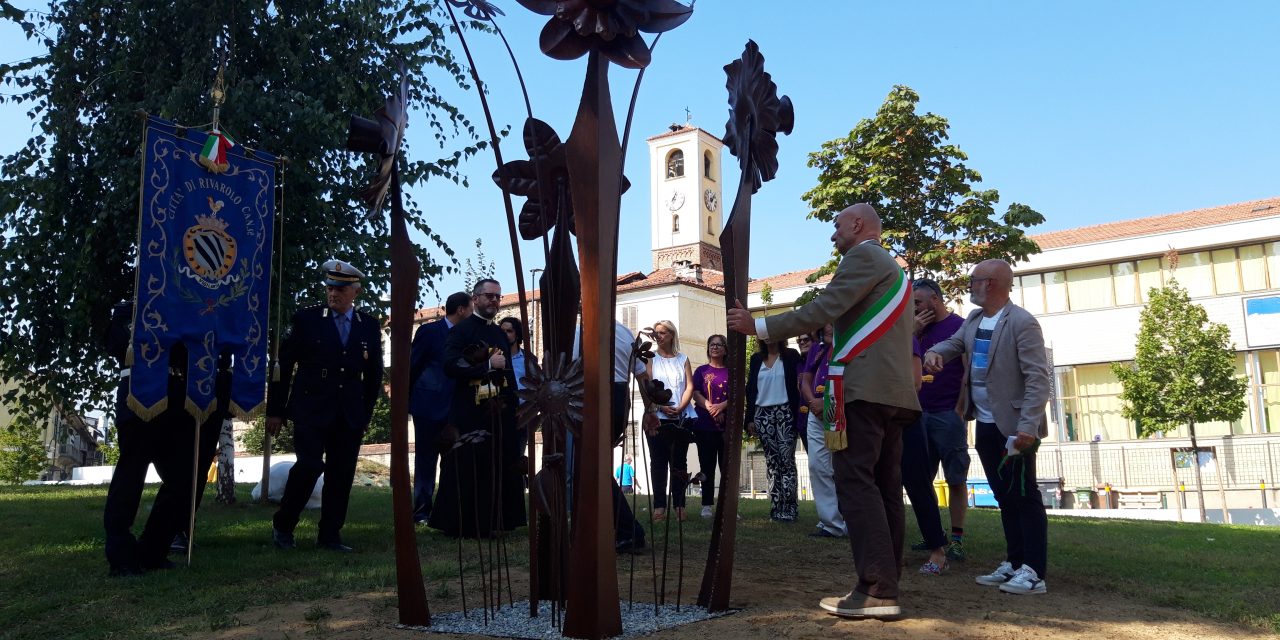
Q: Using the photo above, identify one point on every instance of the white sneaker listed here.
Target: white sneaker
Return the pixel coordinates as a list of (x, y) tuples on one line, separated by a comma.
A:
[(1025, 582), (706, 511), (1001, 575)]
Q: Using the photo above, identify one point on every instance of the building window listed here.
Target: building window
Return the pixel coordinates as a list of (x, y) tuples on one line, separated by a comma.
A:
[(1150, 276), (1090, 288), (706, 165), (1272, 249), (1222, 428), (1194, 272), (1124, 277), (629, 314), (1226, 274), (1032, 293), (1268, 389), (1090, 404), (675, 164), (710, 229), (675, 224), (1253, 268), (1055, 292)]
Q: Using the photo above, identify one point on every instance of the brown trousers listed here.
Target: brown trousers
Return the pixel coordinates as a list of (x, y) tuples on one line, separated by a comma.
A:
[(869, 490)]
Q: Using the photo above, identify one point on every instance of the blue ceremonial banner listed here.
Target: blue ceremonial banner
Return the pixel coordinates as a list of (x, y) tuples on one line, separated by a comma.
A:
[(204, 269)]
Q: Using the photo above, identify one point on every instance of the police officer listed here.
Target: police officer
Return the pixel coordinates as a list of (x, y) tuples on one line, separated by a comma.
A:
[(337, 352)]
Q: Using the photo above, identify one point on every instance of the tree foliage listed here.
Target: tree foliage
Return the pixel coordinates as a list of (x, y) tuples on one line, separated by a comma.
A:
[(295, 70), (933, 218), (379, 431), (1183, 371), (22, 454), (253, 437), (482, 268)]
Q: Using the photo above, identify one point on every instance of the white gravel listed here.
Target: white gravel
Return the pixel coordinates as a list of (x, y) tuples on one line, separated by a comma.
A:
[(514, 622)]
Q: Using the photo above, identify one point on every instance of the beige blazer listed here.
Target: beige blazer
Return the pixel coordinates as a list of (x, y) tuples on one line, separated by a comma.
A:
[(882, 373), (1017, 371)]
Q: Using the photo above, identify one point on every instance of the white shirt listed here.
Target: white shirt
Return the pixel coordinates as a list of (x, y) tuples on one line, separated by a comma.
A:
[(771, 384), (622, 340), (978, 365), (670, 371)]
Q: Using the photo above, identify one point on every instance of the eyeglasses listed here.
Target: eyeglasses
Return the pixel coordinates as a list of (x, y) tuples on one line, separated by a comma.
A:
[(716, 344), (973, 281), (804, 340), (491, 296)]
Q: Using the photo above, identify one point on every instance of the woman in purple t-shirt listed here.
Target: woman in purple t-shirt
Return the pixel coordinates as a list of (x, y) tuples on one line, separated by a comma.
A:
[(710, 397)]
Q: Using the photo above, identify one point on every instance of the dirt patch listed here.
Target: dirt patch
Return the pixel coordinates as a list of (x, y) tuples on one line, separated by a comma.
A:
[(777, 591)]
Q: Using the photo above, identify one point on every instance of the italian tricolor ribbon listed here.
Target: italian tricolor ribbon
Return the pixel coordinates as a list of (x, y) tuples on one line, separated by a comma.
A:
[(862, 333), (214, 154)]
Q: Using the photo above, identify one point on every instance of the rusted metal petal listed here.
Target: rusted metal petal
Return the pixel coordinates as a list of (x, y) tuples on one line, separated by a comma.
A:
[(558, 40)]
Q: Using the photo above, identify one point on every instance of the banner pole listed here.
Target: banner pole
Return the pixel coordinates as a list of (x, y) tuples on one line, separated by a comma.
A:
[(195, 481)]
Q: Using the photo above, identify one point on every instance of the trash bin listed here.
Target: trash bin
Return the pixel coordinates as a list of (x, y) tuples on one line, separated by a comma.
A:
[(1051, 493), (981, 495), (1084, 497), (943, 491)]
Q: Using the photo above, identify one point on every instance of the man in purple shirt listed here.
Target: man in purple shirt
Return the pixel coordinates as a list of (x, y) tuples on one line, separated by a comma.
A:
[(944, 428)]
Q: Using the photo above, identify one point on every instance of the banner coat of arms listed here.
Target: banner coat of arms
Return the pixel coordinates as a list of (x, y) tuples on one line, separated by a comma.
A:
[(204, 270)]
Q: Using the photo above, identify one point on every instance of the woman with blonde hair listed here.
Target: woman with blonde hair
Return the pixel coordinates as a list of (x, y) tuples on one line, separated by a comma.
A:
[(669, 441)]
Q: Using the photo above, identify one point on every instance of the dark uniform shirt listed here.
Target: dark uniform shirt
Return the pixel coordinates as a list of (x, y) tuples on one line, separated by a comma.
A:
[(331, 379)]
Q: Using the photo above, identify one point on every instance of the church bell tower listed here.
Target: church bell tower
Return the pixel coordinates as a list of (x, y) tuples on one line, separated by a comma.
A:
[(685, 198)]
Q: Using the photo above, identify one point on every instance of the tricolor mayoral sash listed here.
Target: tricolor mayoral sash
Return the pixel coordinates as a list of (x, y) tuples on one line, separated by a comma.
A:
[(204, 269), (865, 330)]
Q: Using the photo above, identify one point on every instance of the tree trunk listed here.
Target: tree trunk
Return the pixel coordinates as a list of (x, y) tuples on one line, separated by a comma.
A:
[(1195, 459), (226, 464)]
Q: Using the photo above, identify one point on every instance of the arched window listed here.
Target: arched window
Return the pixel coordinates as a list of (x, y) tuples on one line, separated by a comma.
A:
[(706, 165), (675, 164), (675, 224)]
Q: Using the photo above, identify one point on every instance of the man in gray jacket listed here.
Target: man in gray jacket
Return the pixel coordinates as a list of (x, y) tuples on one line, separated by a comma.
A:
[(1005, 388)]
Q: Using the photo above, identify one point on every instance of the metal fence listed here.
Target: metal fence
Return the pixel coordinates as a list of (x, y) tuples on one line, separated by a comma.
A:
[(1245, 461)]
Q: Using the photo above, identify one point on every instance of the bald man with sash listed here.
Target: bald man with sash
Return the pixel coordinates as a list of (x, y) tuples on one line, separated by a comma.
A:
[(869, 398)]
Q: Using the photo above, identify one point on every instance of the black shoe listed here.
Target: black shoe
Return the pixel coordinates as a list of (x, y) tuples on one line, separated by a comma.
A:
[(282, 539), (179, 544), (334, 546), (822, 533), (635, 545)]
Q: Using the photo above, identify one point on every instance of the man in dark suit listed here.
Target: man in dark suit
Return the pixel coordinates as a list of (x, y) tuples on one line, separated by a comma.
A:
[(871, 398), (430, 398), (338, 354)]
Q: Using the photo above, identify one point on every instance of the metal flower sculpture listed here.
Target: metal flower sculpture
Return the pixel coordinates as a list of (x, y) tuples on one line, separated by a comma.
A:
[(553, 396), (756, 116), (543, 179), (477, 9), (609, 26)]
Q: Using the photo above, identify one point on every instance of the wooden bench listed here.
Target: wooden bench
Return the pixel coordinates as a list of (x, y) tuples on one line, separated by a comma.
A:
[(1138, 499)]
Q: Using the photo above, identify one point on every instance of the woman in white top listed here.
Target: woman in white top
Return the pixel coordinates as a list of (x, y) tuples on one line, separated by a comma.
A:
[(669, 441), (773, 398)]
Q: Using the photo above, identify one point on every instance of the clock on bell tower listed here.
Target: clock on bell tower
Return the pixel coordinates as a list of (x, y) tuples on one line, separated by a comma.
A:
[(684, 192)]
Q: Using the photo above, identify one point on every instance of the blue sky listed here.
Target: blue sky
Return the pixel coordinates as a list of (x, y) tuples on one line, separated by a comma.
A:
[(1086, 111)]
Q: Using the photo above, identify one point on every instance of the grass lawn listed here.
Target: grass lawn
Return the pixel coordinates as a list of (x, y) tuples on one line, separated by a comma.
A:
[(54, 584)]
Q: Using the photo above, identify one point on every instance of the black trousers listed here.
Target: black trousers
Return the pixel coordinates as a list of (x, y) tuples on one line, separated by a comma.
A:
[(329, 449), (710, 453), (1026, 526), (426, 457), (669, 452), (625, 525), (917, 478), (166, 442)]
